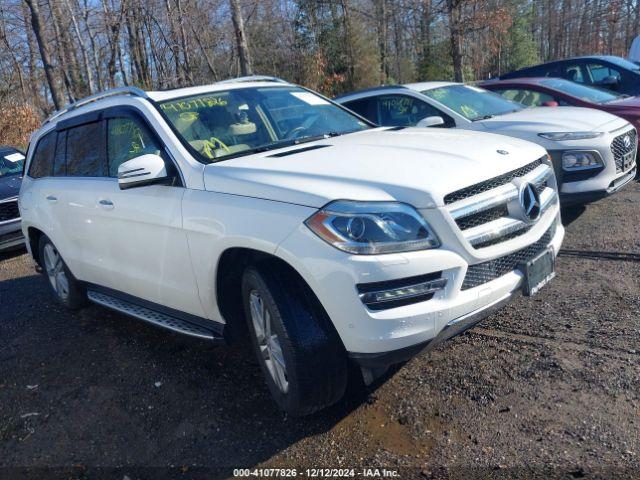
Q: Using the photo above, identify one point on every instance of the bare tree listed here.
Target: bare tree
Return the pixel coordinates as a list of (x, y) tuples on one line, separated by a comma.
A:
[(45, 55), (244, 57)]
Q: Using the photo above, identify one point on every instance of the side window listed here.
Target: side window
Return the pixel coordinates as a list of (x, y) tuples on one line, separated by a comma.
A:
[(530, 98), (365, 107), (128, 138), (599, 72), (85, 151), (405, 111), (42, 160), (60, 158)]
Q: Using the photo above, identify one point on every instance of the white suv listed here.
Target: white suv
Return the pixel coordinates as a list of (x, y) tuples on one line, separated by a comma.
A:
[(593, 152), (261, 204)]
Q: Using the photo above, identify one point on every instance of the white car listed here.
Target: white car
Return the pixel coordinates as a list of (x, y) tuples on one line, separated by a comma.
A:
[(593, 152), (261, 209)]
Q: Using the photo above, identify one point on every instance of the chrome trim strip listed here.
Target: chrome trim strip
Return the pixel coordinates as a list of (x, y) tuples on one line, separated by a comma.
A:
[(539, 175), (434, 286), (483, 201), (492, 230), (547, 196), (506, 225), (10, 199), (11, 220)]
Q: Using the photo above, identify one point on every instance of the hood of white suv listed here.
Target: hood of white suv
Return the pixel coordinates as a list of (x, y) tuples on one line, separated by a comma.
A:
[(415, 166), (553, 119)]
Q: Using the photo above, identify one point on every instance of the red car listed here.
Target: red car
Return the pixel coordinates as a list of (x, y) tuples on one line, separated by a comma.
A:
[(552, 92)]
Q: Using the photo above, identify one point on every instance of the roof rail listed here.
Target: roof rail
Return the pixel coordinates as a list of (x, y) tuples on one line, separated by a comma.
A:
[(133, 91), (254, 78)]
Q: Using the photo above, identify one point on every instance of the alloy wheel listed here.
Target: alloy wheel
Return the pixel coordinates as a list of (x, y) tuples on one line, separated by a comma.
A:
[(268, 341), (55, 271)]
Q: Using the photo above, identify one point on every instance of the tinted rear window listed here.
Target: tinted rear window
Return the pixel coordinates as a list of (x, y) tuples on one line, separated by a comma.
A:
[(85, 151), (42, 161)]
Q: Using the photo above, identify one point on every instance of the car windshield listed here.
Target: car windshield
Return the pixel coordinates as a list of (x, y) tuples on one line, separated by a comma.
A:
[(11, 162), (590, 94), (230, 123), (471, 102)]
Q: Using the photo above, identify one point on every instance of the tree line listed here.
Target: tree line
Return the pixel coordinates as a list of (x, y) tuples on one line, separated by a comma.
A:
[(56, 51)]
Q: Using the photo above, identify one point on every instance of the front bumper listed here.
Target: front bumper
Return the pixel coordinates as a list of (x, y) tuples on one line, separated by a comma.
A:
[(11, 234), (591, 185), (453, 328), (582, 198), (392, 335)]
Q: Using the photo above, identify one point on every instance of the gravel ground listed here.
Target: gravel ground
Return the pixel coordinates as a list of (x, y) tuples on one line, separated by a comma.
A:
[(549, 386)]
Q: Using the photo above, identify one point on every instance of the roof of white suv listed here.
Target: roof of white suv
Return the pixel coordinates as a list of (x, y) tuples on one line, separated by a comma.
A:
[(163, 95), (233, 83)]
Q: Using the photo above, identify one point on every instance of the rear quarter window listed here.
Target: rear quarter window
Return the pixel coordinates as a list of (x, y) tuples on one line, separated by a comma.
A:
[(42, 160)]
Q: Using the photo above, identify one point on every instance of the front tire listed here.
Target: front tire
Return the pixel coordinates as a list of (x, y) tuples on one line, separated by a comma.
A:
[(301, 356), (64, 286)]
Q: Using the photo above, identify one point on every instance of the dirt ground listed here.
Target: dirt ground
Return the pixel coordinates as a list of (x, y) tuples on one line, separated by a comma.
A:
[(548, 387)]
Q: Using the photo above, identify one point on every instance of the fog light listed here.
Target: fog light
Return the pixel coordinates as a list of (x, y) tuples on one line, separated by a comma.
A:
[(577, 160), (396, 293)]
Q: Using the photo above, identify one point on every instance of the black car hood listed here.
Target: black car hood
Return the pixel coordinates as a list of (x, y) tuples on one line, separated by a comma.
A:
[(10, 186)]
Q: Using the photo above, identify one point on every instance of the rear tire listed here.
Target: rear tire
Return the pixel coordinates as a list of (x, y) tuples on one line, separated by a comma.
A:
[(64, 286), (300, 353)]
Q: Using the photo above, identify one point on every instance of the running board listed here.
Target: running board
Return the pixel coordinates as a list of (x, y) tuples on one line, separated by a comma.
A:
[(159, 319)]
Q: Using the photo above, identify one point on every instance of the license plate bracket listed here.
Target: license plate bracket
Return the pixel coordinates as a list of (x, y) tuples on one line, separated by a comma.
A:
[(538, 272)]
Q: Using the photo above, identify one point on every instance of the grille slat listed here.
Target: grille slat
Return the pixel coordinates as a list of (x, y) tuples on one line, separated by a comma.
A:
[(9, 211), (483, 217), (482, 273), (490, 184), (619, 150)]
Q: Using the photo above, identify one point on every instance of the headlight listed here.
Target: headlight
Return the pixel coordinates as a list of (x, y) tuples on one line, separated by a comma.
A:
[(559, 136), (369, 228), (577, 160)]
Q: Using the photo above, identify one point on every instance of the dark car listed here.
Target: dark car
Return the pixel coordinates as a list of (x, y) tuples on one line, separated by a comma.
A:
[(11, 166), (540, 92), (606, 71)]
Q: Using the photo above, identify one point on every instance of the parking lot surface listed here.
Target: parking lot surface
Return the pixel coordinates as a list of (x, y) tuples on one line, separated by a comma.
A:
[(548, 386)]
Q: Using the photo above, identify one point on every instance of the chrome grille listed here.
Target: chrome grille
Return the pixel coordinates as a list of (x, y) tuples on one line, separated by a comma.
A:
[(487, 271), (490, 184), (620, 150), (494, 216), (9, 210), (483, 217), (504, 238)]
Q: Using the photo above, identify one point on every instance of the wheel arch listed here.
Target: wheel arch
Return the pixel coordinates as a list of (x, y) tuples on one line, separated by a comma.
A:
[(33, 239), (228, 281)]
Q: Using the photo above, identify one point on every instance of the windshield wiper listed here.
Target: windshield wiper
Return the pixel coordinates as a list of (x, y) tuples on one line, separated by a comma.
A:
[(281, 144), (483, 117)]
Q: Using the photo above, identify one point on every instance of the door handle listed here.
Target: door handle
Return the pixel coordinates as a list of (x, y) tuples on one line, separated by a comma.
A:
[(52, 198), (105, 203)]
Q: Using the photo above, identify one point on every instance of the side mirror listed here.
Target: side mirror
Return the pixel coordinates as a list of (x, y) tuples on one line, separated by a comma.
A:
[(550, 103), (430, 122), (144, 170)]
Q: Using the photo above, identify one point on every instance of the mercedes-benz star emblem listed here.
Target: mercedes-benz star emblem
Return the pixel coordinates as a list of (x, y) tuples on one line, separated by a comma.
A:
[(530, 202), (626, 141)]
